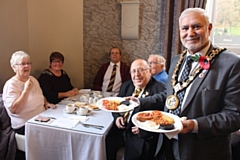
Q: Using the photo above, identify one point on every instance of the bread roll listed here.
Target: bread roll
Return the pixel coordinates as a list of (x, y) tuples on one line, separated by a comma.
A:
[(80, 104)]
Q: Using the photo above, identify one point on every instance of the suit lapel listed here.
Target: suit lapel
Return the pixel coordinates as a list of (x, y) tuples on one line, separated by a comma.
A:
[(196, 84), (194, 88), (145, 93), (130, 90), (129, 93)]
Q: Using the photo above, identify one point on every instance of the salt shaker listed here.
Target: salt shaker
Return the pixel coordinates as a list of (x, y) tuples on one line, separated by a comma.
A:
[(90, 100)]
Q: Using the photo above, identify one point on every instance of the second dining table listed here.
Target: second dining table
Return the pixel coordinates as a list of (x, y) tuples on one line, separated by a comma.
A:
[(65, 136)]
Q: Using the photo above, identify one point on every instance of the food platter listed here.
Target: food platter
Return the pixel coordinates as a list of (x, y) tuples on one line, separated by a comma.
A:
[(143, 125), (131, 106)]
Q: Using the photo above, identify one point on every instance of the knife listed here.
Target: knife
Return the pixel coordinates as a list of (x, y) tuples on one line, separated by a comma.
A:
[(92, 125)]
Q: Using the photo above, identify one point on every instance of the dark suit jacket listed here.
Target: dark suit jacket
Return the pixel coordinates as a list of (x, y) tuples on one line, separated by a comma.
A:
[(98, 81), (214, 102), (144, 146), (8, 146)]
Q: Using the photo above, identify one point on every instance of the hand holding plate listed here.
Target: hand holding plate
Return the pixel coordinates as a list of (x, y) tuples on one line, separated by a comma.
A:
[(134, 99), (188, 126)]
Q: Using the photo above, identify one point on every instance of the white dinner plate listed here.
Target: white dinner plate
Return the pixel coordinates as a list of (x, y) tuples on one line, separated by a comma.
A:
[(127, 108), (177, 125)]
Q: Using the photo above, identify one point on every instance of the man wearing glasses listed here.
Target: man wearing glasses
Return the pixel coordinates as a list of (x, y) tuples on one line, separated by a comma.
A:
[(138, 144), (157, 65)]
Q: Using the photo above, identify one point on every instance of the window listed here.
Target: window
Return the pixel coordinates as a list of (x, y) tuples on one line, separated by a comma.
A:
[(226, 23)]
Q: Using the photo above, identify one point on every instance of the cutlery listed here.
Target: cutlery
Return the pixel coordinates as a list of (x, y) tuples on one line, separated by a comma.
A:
[(52, 117), (48, 117), (92, 125)]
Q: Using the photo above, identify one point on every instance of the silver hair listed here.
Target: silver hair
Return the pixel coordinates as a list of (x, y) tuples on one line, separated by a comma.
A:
[(195, 10), (18, 56), (160, 59)]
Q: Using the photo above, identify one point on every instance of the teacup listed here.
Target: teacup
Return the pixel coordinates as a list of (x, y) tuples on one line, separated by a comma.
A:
[(83, 111), (100, 96), (70, 108), (96, 93), (84, 97)]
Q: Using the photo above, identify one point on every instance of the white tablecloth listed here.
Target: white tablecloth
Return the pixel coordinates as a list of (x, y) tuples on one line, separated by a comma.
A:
[(45, 141)]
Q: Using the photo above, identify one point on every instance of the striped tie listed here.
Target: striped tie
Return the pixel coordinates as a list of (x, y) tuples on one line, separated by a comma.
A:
[(112, 79), (135, 94)]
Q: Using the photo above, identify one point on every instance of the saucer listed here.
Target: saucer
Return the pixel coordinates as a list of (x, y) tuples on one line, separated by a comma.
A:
[(89, 112), (64, 110)]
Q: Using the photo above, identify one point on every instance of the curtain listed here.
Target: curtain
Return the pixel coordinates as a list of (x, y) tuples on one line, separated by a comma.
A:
[(170, 11)]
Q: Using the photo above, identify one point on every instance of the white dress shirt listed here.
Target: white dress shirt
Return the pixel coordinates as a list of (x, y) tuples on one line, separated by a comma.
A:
[(107, 77), (194, 66)]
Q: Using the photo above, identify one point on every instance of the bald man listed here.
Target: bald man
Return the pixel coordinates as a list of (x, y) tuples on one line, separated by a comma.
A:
[(142, 145)]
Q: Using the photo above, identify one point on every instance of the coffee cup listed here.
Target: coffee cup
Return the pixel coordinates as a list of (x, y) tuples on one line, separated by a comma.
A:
[(96, 93), (100, 96), (84, 98), (83, 111), (70, 108)]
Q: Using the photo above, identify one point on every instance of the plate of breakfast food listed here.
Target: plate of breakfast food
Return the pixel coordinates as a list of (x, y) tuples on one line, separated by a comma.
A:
[(157, 121), (116, 104)]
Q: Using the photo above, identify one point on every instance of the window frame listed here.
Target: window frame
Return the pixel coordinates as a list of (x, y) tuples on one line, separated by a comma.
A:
[(211, 10)]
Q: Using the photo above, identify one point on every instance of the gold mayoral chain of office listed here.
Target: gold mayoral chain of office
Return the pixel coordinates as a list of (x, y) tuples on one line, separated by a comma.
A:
[(172, 100)]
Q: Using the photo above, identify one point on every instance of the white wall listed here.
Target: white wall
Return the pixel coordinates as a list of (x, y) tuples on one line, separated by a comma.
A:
[(39, 28)]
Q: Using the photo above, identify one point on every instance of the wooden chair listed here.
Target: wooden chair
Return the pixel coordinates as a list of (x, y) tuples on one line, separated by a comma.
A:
[(120, 154)]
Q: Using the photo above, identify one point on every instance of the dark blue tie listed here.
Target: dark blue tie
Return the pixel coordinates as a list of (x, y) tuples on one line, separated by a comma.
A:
[(181, 93)]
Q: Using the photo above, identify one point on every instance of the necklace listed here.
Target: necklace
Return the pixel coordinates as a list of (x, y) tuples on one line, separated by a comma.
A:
[(172, 101)]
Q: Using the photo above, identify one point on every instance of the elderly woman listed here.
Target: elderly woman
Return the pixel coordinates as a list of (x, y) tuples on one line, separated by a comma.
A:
[(55, 82), (22, 95)]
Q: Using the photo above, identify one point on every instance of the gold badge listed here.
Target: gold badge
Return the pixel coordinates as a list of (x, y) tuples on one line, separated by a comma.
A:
[(172, 102)]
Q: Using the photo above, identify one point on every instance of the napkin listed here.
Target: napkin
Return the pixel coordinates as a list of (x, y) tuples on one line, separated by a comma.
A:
[(79, 118), (65, 123), (170, 135), (84, 91)]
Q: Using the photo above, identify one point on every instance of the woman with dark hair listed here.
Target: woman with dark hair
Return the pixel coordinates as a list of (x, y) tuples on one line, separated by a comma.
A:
[(55, 82)]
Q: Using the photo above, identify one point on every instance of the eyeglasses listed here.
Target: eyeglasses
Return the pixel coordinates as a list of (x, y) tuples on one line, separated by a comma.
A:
[(24, 64), (152, 63), (139, 70), (60, 62)]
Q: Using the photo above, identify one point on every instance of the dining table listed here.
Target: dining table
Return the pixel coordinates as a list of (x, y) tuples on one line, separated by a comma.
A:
[(65, 136)]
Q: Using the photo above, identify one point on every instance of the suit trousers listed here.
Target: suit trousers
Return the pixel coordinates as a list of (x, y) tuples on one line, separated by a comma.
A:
[(141, 149), (171, 149), (114, 141)]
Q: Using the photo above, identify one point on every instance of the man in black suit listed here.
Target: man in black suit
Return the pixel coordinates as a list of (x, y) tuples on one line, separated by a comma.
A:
[(211, 102), (140, 145)]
